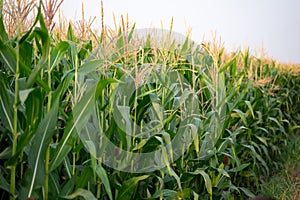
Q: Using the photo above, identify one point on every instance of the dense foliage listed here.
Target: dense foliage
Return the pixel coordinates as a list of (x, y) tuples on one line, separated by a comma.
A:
[(246, 109)]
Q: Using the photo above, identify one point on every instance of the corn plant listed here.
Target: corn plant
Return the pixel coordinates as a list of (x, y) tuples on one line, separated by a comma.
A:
[(132, 115)]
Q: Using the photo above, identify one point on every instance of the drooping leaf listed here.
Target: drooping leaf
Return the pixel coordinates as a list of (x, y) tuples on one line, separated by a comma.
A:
[(85, 194), (247, 192), (102, 174), (242, 115), (206, 178), (129, 187), (177, 178), (248, 103)]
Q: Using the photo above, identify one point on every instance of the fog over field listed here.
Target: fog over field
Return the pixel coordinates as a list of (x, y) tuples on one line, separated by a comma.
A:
[(273, 25)]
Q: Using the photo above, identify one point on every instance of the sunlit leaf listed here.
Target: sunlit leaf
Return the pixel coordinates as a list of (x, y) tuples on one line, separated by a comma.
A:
[(129, 187), (85, 194)]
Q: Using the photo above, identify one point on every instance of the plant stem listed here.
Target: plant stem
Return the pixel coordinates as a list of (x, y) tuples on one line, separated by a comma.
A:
[(15, 127), (47, 158)]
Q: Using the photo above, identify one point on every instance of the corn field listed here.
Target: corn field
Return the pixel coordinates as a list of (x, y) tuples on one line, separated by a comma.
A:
[(121, 116)]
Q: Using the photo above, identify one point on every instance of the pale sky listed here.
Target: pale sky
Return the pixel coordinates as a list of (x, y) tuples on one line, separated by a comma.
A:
[(271, 24)]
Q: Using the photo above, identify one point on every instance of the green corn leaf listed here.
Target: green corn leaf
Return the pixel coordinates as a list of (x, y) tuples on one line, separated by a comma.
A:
[(131, 33), (6, 153), (89, 67), (263, 129), (3, 33), (129, 187), (165, 160), (124, 116), (3, 183), (233, 69), (148, 42), (63, 86), (26, 55), (69, 133), (164, 194), (247, 192), (184, 194), (66, 143), (240, 167), (64, 146), (72, 53), (173, 173), (68, 167), (185, 46), (37, 19), (54, 185), (232, 91), (293, 128), (257, 156), (68, 186), (8, 56), (120, 42), (85, 49), (262, 139), (40, 143), (240, 96), (282, 130), (242, 116), (223, 171), (6, 104), (43, 35), (206, 178), (70, 33), (84, 178), (101, 173), (23, 94), (81, 113), (266, 152), (263, 162), (85, 194), (230, 64), (34, 112), (248, 103), (58, 53)]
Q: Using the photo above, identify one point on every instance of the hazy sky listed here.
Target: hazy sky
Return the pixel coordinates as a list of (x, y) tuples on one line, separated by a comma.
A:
[(271, 24)]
